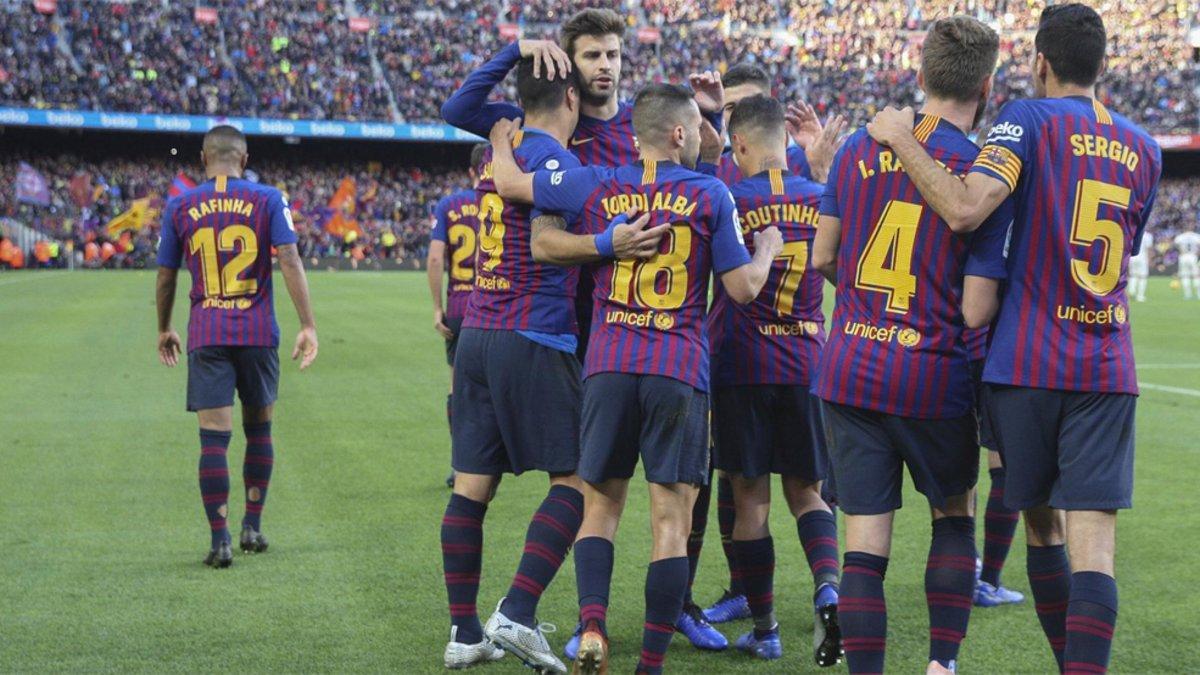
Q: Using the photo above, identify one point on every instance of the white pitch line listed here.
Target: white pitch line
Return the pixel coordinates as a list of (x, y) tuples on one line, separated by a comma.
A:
[(1168, 366), (31, 275), (1170, 390)]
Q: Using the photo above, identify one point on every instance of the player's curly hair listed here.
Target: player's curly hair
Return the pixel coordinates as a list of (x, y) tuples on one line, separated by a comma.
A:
[(959, 55), (595, 22)]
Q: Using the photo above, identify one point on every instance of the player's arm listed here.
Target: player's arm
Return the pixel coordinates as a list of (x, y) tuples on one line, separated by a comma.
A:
[(511, 182), (435, 267), (709, 93), (986, 268), (552, 244), (744, 283), (742, 276), (825, 247), (963, 203), (468, 107), (169, 257), (981, 300), (297, 286), (821, 151), (711, 147)]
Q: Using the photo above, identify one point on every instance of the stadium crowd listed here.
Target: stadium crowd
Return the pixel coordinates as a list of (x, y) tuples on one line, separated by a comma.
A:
[(391, 205), (300, 59)]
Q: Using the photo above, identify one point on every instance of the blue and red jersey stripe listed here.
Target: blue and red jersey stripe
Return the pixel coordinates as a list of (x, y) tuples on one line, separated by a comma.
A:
[(456, 224)]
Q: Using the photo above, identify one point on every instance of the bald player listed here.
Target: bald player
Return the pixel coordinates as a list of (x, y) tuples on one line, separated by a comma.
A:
[(224, 230)]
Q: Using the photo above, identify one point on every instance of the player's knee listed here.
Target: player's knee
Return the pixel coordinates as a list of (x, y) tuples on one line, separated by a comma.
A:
[(956, 506), (476, 487), (1044, 526)]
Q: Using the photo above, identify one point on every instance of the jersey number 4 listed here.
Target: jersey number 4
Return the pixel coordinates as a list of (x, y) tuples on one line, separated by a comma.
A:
[(886, 263), (225, 282)]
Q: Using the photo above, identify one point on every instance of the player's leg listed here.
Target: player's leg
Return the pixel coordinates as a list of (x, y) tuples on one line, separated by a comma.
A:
[(479, 459), (1096, 479), (999, 527), (732, 604), (754, 555), (212, 380), (455, 326), (1049, 573), (868, 470), (943, 458), (666, 577), (609, 429), (258, 387), (696, 535)]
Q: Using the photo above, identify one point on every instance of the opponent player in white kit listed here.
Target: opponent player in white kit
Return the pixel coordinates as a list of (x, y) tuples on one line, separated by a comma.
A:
[(1139, 268), (1188, 244)]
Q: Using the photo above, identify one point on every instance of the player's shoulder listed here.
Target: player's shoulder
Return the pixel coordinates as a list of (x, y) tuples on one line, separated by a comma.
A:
[(797, 184), (857, 139), (542, 151), (1143, 136), (705, 182)]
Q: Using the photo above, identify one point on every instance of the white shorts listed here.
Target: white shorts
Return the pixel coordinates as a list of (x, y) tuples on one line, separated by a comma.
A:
[(1139, 267), (1187, 265)]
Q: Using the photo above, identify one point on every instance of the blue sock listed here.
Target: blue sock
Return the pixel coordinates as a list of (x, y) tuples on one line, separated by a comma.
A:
[(593, 577), (666, 582), (1091, 619), (551, 532), (462, 559), (950, 585), (214, 482), (862, 611)]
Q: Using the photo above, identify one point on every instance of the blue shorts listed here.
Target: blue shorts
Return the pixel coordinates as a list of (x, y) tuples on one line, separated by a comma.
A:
[(214, 372), (515, 406), (1072, 450), (768, 428), (660, 418), (455, 326), (987, 435), (868, 450)]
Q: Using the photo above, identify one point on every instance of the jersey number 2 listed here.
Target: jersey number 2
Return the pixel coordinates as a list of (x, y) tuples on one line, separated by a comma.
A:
[(225, 282)]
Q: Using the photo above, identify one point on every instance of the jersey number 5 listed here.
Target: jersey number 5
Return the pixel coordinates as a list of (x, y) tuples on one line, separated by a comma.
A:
[(225, 282), (886, 262), (643, 276), (1087, 228)]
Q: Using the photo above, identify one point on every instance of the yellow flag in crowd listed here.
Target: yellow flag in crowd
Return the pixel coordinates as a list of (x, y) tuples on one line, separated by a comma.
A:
[(343, 204), (134, 218)]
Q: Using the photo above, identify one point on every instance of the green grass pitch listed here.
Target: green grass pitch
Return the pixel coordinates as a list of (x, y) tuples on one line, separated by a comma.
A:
[(102, 530)]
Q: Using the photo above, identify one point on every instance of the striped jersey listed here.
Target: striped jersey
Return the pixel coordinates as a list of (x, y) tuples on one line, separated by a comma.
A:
[(456, 222), (224, 228), (610, 142), (776, 338), (649, 314), (976, 340), (1083, 182), (895, 344), (729, 172), (512, 292)]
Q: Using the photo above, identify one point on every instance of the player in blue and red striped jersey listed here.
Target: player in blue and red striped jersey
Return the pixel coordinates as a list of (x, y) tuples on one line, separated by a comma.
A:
[(999, 521), (894, 374), (646, 373), (225, 229), (452, 248), (1062, 388), (592, 38), (765, 420), (516, 380)]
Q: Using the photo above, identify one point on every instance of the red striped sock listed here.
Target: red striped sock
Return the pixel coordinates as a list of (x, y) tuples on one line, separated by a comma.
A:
[(725, 518), (550, 535), (214, 482), (256, 471), (462, 559), (1050, 582), (949, 585), (999, 526), (818, 536), (862, 611), (666, 581), (756, 568), (1091, 619)]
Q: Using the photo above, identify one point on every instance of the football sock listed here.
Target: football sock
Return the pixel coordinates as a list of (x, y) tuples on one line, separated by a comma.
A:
[(1091, 618), (549, 537), (666, 581), (593, 575), (818, 536), (449, 417), (695, 540), (862, 611), (256, 471), (1050, 582), (756, 567), (999, 525), (462, 558), (950, 585), (725, 517), (214, 482)]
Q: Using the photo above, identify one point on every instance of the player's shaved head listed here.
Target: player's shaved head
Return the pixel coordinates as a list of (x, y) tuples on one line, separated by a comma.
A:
[(224, 144), (658, 109), (958, 57), (758, 115), (747, 73), (1072, 38)]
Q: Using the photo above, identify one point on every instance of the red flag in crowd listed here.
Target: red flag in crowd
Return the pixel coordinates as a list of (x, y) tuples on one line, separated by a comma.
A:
[(32, 186), (45, 6), (180, 185), (205, 15), (80, 189)]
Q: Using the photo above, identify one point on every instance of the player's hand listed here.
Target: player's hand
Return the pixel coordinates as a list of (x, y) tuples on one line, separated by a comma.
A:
[(769, 239), (890, 124), (820, 154), (503, 132), (711, 143), (439, 324), (709, 92), (169, 348), (306, 347), (632, 239), (547, 56), (803, 125)]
